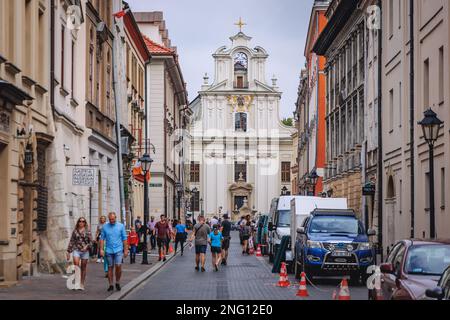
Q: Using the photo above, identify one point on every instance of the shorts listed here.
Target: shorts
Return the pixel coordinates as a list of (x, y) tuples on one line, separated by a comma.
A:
[(162, 242), (226, 243), (200, 249), (216, 250), (245, 238), (114, 259), (81, 255)]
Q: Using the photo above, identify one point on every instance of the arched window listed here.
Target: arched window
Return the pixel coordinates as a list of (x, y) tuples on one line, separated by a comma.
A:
[(240, 70), (390, 188), (240, 121)]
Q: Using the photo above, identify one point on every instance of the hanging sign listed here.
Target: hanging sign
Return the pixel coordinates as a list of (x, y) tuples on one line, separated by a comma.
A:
[(84, 177)]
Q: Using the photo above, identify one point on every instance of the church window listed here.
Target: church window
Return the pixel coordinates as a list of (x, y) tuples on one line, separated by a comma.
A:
[(195, 172), (285, 172), (240, 170), (240, 71), (241, 122)]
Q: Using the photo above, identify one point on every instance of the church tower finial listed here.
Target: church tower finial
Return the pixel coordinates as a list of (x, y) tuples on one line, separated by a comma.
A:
[(240, 24)]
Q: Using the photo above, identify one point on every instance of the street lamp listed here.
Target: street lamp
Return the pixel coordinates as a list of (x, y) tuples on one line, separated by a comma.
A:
[(314, 178), (431, 125), (146, 163), (201, 206), (179, 187)]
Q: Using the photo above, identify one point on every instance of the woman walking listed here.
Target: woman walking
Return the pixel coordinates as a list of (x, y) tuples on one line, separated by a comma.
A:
[(180, 236), (79, 246), (246, 234), (215, 240), (102, 222)]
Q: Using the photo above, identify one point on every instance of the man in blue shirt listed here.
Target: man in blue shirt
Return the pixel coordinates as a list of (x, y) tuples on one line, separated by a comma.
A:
[(180, 236), (116, 248)]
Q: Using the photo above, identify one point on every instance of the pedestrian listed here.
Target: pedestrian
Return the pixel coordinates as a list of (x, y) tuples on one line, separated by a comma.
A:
[(226, 233), (137, 221), (151, 228), (180, 236), (215, 240), (162, 233), (200, 234), (246, 234), (116, 249), (214, 221), (241, 224), (102, 222), (133, 241), (79, 244), (142, 233)]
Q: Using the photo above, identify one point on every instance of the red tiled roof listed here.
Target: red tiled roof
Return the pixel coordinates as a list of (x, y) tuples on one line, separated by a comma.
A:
[(155, 48)]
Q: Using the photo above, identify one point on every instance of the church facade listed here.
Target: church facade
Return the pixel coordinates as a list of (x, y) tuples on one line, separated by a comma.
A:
[(241, 153)]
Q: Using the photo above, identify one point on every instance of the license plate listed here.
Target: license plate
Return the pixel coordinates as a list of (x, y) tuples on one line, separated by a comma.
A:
[(341, 254)]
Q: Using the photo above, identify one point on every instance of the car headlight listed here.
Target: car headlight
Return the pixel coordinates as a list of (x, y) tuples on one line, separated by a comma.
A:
[(349, 248), (365, 246), (314, 244)]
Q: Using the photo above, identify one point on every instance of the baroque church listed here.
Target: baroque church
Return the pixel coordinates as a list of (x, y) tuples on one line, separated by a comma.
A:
[(241, 153)]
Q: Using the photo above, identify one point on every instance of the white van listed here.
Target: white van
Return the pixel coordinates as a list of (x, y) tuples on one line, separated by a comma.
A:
[(279, 223)]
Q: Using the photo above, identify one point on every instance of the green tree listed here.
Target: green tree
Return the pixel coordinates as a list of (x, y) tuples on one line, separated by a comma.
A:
[(289, 122)]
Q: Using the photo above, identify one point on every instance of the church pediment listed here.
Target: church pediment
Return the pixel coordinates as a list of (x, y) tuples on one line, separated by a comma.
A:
[(264, 87), (241, 188)]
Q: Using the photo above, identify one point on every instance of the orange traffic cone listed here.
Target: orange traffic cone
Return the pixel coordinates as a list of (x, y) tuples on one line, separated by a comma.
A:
[(284, 281), (302, 291), (258, 251), (344, 292)]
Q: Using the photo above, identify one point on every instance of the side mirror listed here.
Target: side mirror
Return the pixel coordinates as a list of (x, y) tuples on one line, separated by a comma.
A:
[(436, 293), (301, 230), (270, 226), (387, 268), (371, 233)]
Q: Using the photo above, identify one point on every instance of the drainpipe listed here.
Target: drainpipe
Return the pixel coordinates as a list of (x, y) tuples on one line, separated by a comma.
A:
[(52, 56), (411, 112), (118, 117), (380, 136)]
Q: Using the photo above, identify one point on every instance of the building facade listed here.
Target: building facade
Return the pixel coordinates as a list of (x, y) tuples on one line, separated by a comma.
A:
[(342, 43), (406, 204), (241, 154), (311, 107), (26, 132), (168, 118)]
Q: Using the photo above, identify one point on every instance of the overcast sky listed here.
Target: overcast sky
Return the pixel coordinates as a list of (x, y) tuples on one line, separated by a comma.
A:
[(199, 27)]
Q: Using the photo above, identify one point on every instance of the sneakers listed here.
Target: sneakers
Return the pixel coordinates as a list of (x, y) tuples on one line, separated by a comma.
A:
[(164, 260), (99, 260), (111, 288), (118, 287), (81, 288), (203, 269)]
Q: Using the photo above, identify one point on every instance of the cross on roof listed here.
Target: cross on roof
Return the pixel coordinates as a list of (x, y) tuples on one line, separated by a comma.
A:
[(240, 24)]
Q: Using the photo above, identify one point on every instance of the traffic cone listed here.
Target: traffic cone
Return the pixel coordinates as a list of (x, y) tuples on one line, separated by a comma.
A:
[(258, 251), (302, 291), (284, 281), (344, 292)]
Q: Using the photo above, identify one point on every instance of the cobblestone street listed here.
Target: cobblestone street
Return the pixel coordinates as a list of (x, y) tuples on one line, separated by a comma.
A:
[(245, 278)]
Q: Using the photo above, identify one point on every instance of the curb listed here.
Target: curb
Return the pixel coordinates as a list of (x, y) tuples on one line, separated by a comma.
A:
[(133, 284)]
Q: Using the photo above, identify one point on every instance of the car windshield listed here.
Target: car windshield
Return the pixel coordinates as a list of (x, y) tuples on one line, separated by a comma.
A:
[(284, 218), (428, 259), (335, 224)]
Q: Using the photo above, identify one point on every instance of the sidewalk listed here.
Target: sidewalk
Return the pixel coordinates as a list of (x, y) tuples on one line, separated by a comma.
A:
[(53, 287)]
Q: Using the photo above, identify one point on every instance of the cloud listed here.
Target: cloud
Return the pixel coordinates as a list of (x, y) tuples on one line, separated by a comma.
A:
[(199, 27)]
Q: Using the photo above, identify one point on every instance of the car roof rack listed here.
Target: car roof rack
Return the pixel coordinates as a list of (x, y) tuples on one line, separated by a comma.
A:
[(334, 212)]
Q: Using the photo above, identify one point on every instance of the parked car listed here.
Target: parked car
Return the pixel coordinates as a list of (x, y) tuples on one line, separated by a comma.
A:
[(442, 290), (333, 242), (412, 267)]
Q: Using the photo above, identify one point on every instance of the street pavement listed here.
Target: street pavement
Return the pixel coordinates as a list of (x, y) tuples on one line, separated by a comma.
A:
[(53, 286), (245, 278)]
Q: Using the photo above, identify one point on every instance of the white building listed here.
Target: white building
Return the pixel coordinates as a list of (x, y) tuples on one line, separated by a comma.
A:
[(241, 153)]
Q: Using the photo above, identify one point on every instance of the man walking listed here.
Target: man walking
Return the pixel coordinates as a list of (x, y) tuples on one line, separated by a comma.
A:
[(226, 233), (116, 249), (200, 234), (151, 227), (163, 234)]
